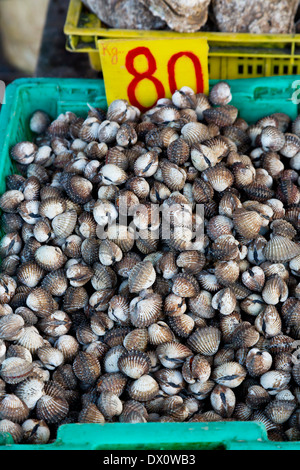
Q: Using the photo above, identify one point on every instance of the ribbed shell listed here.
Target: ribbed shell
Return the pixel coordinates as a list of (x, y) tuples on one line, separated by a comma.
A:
[(109, 404), (52, 409), (141, 276), (41, 302), (219, 177), (113, 382), (230, 374), (30, 339), (258, 362), (279, 411), (56, 324), (15, 370), (160, 333), (91, 414), (30, 274), (205, 341), (55, 283), (172, 354), (11, 326), (275, 380), (182, 325), (64, 224), (257, 397), (50, 257), (145, 310), (75, 298), (244, 336), (247, 223), (281, 249), (225, 248), (191, 261), (185, 285), (13, 409), (14, 429), (86, 368), (143, 389), (134, 364), (30, 391)]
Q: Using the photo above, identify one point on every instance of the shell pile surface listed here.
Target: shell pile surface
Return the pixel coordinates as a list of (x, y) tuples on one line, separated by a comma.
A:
[(110, 320), (254, 16)]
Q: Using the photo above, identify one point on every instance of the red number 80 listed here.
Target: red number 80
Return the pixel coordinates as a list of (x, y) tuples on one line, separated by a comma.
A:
[(148, 74)]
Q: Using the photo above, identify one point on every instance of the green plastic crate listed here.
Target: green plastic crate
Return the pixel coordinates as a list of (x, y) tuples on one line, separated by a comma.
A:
[(255, 98)]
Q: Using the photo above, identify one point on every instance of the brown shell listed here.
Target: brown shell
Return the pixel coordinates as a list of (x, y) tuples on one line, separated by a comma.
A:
[(185, 285), (41, 302), (52, 409), (141, 276), (143, 389), (178, 151), (247, 223), (134, 364), (13, 409), (281, 249), (91, 414), (86, 367), (182, 325), (136, 339), (205, 341)]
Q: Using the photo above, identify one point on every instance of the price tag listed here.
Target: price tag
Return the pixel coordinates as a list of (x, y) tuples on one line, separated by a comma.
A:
[(144, 70)]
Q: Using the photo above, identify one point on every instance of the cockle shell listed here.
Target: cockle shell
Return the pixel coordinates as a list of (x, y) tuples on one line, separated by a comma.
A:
[(64, 224), (223, 400), (160, 333), (13, 409), (281, 249), (113, 382), (49, 257), (143, 389), (91, 414), (172, 354), (40, 301), (205, 341), (230, 374), (86, 367), (274, 381), (30, 339), (142, 276), (257, 397), (35, 431), (11, 327), (247, 223), (182, 325), (14, 429), (258, 362), (55, 283), (52, 409), (15, 370), (134, 364), (145, 310), (185, 285), (30, 391)]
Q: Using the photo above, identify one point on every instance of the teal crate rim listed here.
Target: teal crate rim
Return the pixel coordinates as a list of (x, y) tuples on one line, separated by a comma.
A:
[(230, 435), (226, 435)]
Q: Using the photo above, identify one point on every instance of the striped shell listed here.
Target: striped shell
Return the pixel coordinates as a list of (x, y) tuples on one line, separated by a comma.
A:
[(205, 341), (143, 389), (281, 249), (134, 364)]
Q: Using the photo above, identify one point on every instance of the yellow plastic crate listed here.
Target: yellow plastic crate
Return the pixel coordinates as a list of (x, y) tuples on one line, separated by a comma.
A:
[(231, 55)]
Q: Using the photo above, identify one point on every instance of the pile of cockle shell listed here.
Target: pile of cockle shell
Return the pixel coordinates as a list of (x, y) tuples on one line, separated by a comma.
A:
[(142, 328)]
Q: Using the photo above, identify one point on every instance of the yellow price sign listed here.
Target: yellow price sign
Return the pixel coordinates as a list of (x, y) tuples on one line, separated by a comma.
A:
[(145, 70)]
